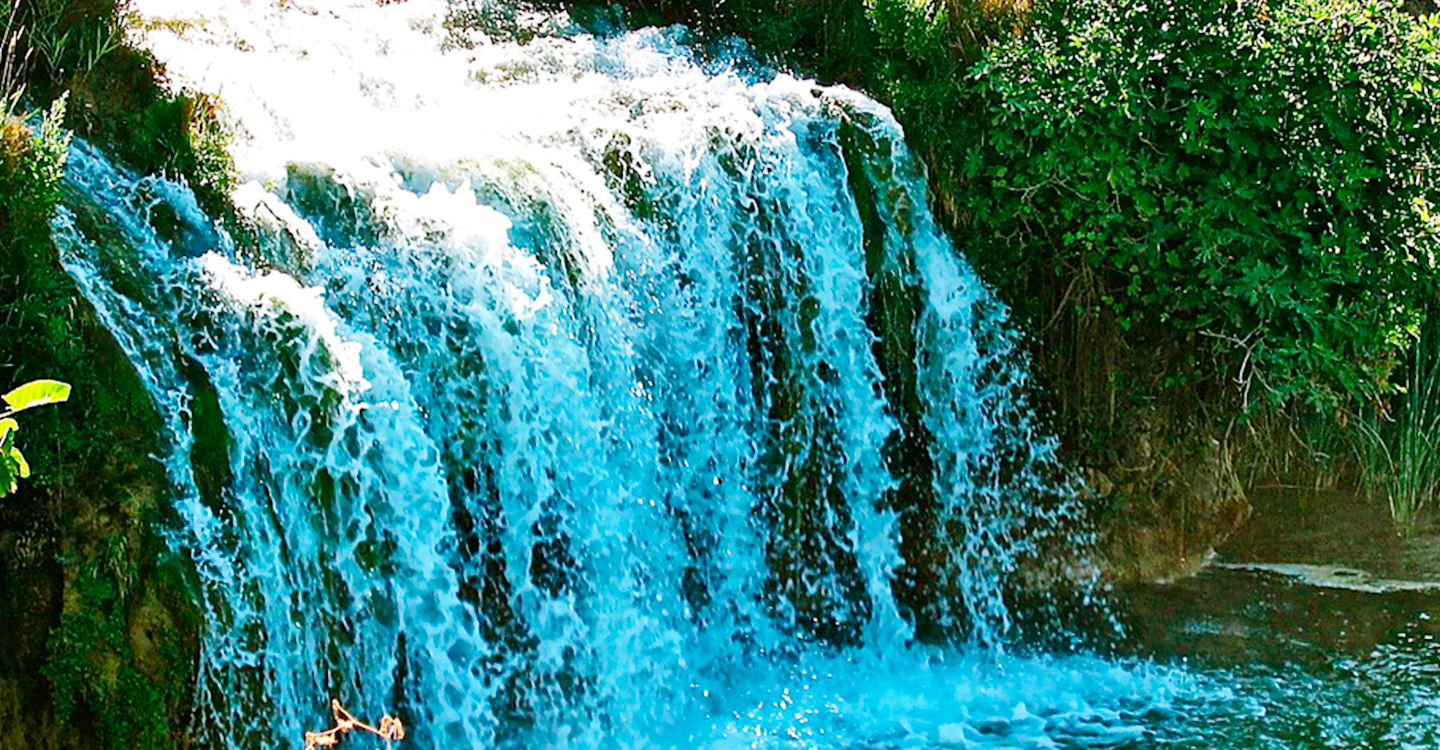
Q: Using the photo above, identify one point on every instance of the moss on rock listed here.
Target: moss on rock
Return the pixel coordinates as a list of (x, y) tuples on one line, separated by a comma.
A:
[(102, 631)]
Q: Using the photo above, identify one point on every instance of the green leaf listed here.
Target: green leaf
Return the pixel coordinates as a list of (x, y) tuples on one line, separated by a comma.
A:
[(11, 462), (37, 393), (22, 467)]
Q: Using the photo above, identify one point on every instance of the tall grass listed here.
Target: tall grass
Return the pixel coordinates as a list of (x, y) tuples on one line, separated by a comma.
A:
[(12, 63), (1399, 447), (71, 37)]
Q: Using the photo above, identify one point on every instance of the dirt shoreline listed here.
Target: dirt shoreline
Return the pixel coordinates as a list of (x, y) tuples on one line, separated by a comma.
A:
[(1343, 532)]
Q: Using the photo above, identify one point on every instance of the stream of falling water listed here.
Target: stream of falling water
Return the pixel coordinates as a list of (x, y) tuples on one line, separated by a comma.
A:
[(578, 392)]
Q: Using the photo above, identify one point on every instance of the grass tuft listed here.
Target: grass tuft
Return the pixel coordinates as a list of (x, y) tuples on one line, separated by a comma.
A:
[(1399, 447)]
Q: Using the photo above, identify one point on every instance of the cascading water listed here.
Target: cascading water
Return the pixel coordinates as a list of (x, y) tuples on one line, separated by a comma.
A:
[(578, 392)]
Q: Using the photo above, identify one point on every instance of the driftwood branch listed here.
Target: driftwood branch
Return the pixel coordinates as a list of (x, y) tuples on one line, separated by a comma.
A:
[(390, 729)]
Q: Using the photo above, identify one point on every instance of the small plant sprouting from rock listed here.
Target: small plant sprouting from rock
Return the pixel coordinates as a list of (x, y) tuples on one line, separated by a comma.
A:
[(13, 466), (390, 729)]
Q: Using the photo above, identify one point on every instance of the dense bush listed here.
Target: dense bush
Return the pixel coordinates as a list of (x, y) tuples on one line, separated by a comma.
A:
[(1259, 173), (32, 161)]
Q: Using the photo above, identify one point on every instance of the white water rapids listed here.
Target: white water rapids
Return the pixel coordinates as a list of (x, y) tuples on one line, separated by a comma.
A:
[(554, 407)]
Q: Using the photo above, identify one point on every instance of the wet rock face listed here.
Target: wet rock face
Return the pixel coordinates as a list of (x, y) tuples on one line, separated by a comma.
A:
[(30, 586), (98, 634), (1165, 514)]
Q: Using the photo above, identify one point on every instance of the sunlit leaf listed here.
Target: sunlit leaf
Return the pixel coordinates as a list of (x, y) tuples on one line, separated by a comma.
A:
[(37, 393), (7, 476), (22, 467)]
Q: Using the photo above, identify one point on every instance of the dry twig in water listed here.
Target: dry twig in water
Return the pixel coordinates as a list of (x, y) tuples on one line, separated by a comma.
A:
[(390, 729)]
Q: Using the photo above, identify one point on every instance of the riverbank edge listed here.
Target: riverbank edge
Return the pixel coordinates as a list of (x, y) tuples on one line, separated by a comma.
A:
[(103, 627)]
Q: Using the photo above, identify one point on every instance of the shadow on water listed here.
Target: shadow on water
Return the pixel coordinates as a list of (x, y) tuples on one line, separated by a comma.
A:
[(1316, 626), (1283, 663)]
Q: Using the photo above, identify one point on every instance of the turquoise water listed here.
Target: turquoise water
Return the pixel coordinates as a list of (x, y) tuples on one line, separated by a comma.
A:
[(611, 422), (1281, 664), (587, 392)]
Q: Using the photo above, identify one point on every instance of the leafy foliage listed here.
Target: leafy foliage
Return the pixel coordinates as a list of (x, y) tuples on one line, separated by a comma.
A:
[(13, 465), (32, 161), (1260, 173)]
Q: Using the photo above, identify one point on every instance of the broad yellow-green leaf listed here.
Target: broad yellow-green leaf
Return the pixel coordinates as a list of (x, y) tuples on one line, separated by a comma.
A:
[(37, 393), (12, 463), (7, 475), (22, 467)]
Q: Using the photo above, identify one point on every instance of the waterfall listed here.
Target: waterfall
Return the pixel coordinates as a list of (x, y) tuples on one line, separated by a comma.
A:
[(579, 391)]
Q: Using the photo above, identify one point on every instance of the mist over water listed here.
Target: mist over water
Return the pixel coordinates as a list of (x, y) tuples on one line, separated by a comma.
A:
[(581, 392)]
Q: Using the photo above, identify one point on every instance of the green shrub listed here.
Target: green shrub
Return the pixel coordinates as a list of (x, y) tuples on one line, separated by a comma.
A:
[(32, 162), (1260, 174)]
